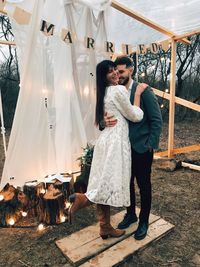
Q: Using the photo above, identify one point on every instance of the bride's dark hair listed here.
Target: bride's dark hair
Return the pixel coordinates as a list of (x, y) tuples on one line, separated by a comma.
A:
[(101, 84)]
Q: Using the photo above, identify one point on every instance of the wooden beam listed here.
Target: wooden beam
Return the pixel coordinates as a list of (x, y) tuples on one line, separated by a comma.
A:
[(172, 99), (185, 35), (4, 42), (178, 100), (179, 150), (190, 166), (144, 20)]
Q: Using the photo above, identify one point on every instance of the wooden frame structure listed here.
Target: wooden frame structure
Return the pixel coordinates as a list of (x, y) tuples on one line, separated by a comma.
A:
[(171, 96)]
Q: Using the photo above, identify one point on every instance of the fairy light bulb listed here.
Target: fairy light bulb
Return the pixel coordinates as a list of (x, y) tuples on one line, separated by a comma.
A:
[(11, 221), (62, 218), (41, 227), (167, 91), (1, 197), (143, 74), (86, 91), (42, 191), (67, 205), (162, 106), (24, 213)]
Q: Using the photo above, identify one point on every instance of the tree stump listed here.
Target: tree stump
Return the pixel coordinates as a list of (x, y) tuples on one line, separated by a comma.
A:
[(33, 190), (12, 203), (51, 206)]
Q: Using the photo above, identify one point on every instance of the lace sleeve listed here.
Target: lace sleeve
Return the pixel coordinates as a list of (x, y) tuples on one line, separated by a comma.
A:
[(123, 104)]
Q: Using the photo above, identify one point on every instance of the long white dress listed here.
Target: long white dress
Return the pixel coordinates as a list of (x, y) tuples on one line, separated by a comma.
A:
[(110, 173)]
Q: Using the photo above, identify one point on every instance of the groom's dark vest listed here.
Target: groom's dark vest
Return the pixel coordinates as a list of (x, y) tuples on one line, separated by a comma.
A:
[(145, 134)]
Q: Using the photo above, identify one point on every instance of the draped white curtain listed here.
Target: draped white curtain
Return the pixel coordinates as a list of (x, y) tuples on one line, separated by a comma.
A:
[(54, 117)]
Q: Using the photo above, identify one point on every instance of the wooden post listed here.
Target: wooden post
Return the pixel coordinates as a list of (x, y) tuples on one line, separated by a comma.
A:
[(172, 99)]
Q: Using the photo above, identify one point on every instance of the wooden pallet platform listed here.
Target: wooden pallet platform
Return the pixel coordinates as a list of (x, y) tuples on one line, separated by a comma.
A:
[(87, 248)]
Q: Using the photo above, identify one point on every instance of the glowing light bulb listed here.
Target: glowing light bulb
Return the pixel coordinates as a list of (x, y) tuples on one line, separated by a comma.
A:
[(42, 191), (41, 227), (62, 219), (143, 74), (67, 205), (162, 106), (24, 213), (86, 91), (11, 221), (1, 197), (167, 90)]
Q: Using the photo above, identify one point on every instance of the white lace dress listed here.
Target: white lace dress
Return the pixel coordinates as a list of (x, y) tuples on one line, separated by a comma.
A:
[(110, 173)]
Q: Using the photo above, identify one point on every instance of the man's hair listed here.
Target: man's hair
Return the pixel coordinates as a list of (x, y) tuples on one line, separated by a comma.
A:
[(124, 60)]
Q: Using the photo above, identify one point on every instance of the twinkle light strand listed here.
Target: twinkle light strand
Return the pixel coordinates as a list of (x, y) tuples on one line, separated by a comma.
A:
[(11, 221)]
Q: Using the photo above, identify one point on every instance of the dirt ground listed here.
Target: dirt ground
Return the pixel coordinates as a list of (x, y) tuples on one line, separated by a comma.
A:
[(176, 198)]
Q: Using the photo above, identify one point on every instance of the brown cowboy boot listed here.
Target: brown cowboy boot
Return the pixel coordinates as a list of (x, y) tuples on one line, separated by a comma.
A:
[(106, 229), (78, 201)]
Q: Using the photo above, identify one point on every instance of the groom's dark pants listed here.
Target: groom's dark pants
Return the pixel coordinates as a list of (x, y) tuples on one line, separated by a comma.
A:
[(141, 170)]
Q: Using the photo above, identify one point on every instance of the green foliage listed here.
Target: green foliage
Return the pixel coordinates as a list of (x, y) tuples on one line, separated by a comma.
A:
[(86, 157)]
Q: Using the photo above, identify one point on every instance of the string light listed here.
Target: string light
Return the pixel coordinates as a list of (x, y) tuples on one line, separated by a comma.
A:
[(167, 90), (24, 213), (67, 205), (41, 227), (143, 74), (42, 191), (86, 91), (11, 221), (62, 219), (1, 197), (162, 105)]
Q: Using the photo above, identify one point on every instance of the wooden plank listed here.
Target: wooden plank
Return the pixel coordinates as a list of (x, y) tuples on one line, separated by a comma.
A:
[(185, 35), (190, 166), (118, 253), (172, 100), (178, 100), (83, 245), (180, 150), (5, 42), (144, 20)]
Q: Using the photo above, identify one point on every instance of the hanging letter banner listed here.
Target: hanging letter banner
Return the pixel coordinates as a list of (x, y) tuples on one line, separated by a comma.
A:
[(23, 17)]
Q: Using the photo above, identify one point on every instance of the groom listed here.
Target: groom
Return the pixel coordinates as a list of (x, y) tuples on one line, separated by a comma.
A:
[(144, 138)]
